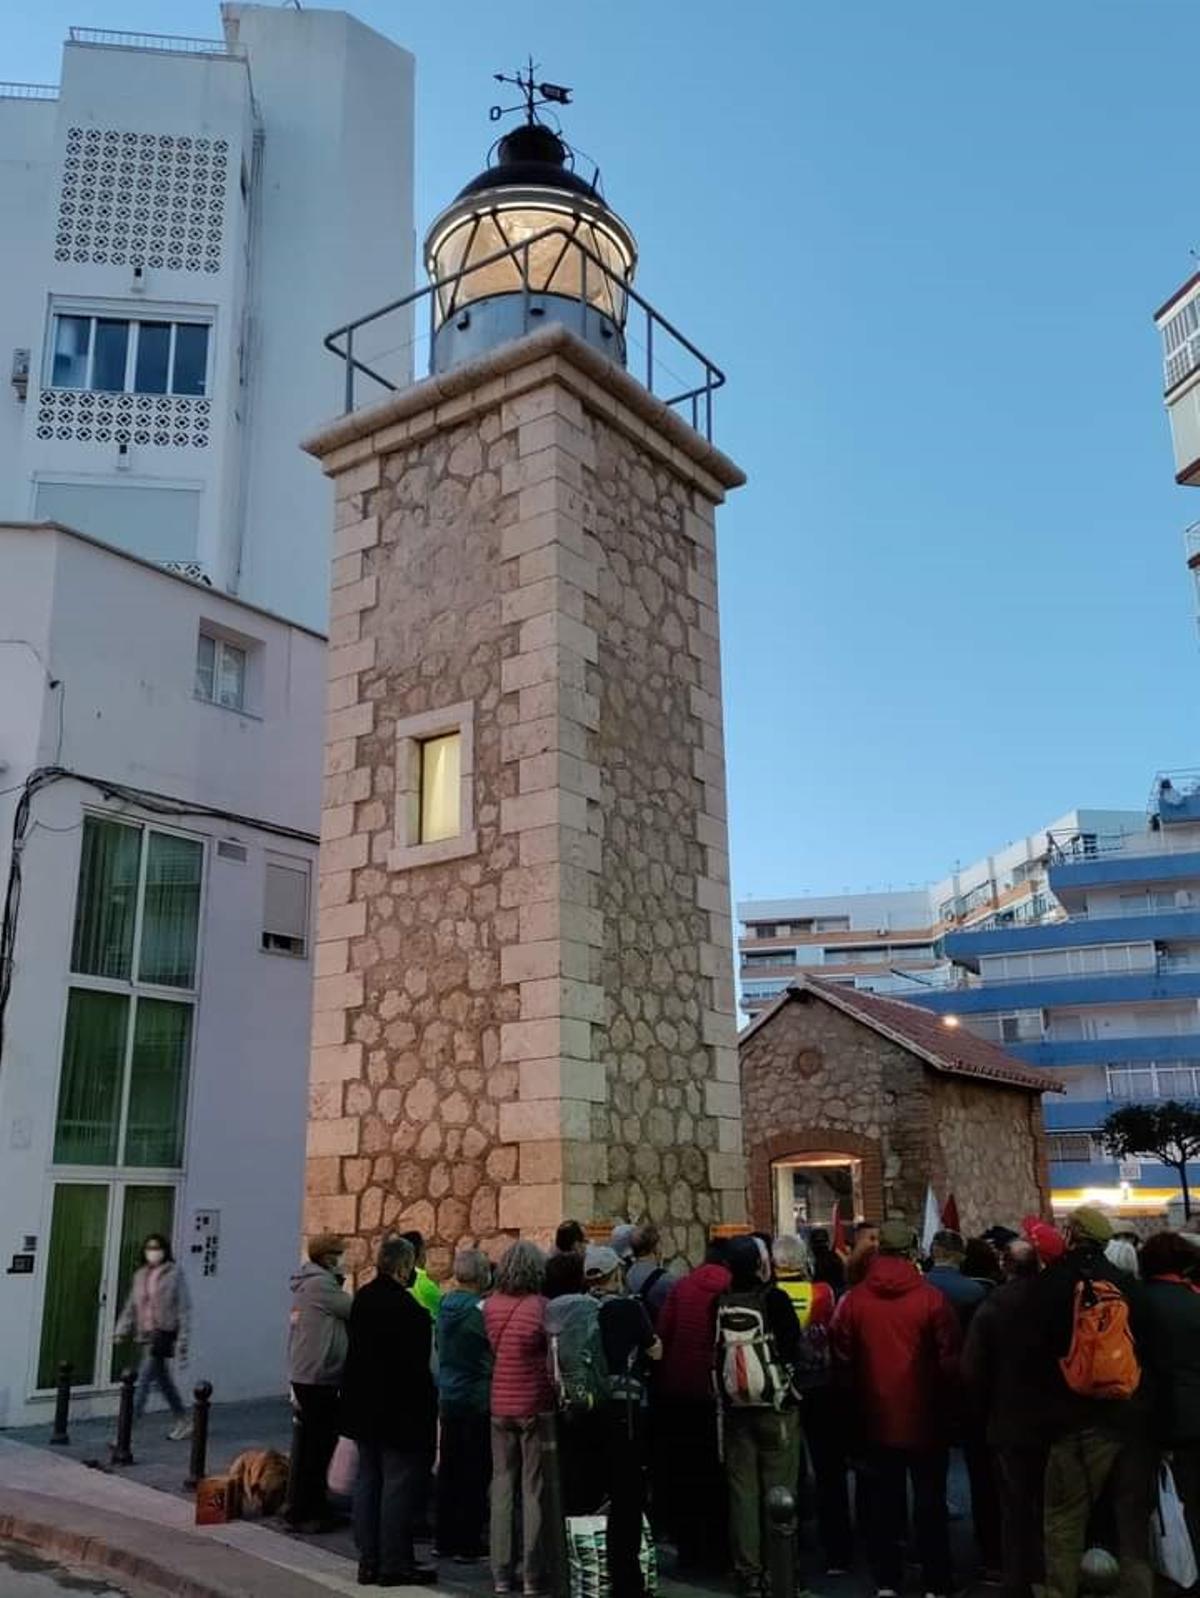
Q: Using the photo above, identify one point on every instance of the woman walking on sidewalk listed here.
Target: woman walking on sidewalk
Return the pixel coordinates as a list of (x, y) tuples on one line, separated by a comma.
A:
[(156, 1314)]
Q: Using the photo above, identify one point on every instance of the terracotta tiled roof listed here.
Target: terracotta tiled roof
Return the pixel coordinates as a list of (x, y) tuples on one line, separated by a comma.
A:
[(952, 1049)]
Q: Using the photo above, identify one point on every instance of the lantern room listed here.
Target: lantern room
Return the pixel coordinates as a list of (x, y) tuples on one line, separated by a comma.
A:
[(528, 241)]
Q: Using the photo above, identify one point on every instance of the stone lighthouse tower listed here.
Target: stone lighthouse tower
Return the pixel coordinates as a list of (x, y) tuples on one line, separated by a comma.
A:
[(524, 999)]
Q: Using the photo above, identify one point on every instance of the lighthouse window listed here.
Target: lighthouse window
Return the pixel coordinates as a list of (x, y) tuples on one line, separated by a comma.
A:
[(434, 787)]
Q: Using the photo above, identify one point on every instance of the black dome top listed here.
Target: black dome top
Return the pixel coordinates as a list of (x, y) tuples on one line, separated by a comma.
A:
[(531, 156)]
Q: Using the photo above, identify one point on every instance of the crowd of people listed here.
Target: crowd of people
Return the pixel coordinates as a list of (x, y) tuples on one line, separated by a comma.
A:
[(1063, 1363)]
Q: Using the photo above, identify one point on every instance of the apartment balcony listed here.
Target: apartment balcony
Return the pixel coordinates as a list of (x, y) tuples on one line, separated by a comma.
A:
[(1074, 1115), (1175, 798), (1124, 861), (1082, 931), (1171, 980), (1052, 1052)]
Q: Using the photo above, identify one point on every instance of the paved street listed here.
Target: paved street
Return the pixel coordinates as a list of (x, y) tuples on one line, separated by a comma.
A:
[(26, 1575)]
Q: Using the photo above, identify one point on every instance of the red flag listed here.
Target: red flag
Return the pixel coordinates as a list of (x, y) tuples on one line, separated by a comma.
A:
[(950, 1215), (837, 1230)]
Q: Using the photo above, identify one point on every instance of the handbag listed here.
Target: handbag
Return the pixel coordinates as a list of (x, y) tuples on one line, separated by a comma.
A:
[(1170, 1546), (343, 1468), (587, 1557)]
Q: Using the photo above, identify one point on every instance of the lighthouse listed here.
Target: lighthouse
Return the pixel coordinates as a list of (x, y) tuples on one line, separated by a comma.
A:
[(524, 1002)]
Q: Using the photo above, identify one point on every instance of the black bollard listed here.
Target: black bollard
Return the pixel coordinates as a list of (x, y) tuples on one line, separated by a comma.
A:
[(202, 1393), (781, 1535), (121, 1452), (292, 1507), (62, 1404)]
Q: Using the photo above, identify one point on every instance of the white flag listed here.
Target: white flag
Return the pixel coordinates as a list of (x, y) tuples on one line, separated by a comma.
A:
[(932, 1221)]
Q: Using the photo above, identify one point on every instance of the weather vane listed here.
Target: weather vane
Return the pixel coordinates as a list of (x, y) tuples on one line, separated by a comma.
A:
[(535, 94)]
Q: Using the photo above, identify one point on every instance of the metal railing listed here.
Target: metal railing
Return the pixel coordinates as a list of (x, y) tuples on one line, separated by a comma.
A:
[(167, 43), (28, 91), (696, 399), (1191, 540)]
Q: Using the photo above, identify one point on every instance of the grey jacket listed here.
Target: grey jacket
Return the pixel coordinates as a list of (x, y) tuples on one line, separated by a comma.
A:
[(320, 1310), (158, 1302)]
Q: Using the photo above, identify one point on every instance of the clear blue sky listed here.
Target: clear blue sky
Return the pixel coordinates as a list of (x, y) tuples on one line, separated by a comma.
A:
[(925, 241)]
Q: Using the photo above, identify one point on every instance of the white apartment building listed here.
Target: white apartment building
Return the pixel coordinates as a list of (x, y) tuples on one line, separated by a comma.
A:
[(157, 843), (184, 221), (892, 942)]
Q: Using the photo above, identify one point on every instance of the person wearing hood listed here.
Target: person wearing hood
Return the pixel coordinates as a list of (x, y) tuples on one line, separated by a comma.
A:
[(1172, 1304), (1094, 1442), (762, 1441), (464, 1470), (691, 1495), (896, 1343), (316, 1357)]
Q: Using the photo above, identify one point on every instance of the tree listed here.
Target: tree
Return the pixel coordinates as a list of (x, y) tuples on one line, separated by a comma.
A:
[(1169, 1131)]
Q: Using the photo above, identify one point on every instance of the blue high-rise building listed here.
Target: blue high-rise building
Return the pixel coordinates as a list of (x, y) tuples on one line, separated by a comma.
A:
[(1107, 997)]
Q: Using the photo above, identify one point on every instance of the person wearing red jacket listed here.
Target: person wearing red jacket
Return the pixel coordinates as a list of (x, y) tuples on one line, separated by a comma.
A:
[(691, 1492), (895, 1344)]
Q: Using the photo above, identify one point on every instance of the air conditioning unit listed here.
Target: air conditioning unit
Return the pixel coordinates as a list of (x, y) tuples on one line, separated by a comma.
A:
[(20, 373)]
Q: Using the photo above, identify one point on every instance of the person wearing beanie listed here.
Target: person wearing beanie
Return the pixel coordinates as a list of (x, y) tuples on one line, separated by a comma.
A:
[(762, 1443), (895, 1343), (1094, 1443), (316, 1358), (999, 1371)]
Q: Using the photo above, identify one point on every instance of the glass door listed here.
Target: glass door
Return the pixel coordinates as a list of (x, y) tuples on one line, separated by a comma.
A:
[(96, 1233), (143, 1210), (74, 1282)]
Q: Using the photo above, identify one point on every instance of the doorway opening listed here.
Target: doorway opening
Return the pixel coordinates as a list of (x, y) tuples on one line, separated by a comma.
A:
[(809, 1189)]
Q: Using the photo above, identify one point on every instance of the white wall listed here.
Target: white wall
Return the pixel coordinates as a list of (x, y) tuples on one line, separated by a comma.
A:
[(120, 636), (26, 145), (334, 240)]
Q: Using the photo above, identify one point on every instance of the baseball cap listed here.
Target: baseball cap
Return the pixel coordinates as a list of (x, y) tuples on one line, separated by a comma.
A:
[(1091, 1223), (621, 1240), (896, 1237), (600, 1261)]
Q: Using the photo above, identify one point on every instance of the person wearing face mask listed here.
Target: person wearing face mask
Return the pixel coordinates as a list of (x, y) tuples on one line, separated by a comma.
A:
[(156, 1314), (316, 1359)]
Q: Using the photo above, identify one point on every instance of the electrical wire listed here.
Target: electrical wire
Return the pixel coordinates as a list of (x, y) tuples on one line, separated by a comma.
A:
[(143, 798)]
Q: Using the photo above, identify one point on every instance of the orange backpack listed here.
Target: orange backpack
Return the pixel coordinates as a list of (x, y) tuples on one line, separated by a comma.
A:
[(1101, 1361)]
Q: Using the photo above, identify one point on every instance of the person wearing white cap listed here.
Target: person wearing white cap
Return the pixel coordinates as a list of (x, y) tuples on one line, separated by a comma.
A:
[(629, 1342)]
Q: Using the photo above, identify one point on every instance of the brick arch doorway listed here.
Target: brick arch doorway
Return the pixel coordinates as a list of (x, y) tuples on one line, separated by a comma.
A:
[(806, 1187)]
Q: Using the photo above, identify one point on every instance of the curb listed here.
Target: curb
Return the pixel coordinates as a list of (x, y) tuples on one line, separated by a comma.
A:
[(164, 1559), (93, 1553)]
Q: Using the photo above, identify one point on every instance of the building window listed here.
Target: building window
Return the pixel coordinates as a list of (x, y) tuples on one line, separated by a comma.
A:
[(221, 672), (127, 1042), (441, 776), (285, 908), (1070, 1148), (435, 785), (118, 355), (1172, 1080)]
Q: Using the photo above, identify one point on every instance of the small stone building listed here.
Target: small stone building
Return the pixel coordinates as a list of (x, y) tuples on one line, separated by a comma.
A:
[(850, 1096)]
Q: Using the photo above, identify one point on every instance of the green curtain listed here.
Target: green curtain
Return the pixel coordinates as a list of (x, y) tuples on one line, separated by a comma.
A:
[(74, 1270), (106, 899), (93, 1066), (158, 1081), (146, 1210), (170, 911)]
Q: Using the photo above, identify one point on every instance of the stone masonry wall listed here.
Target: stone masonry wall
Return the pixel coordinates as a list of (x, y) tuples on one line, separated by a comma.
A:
[(992, 1148), (813, 1078), (816, 1079), (541, 1024)]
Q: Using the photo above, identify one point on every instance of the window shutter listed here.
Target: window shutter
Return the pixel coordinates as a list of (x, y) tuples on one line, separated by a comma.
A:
[(285, 908)]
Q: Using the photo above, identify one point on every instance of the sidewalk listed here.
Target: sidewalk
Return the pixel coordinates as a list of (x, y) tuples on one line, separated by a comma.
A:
[(138, 1520)]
